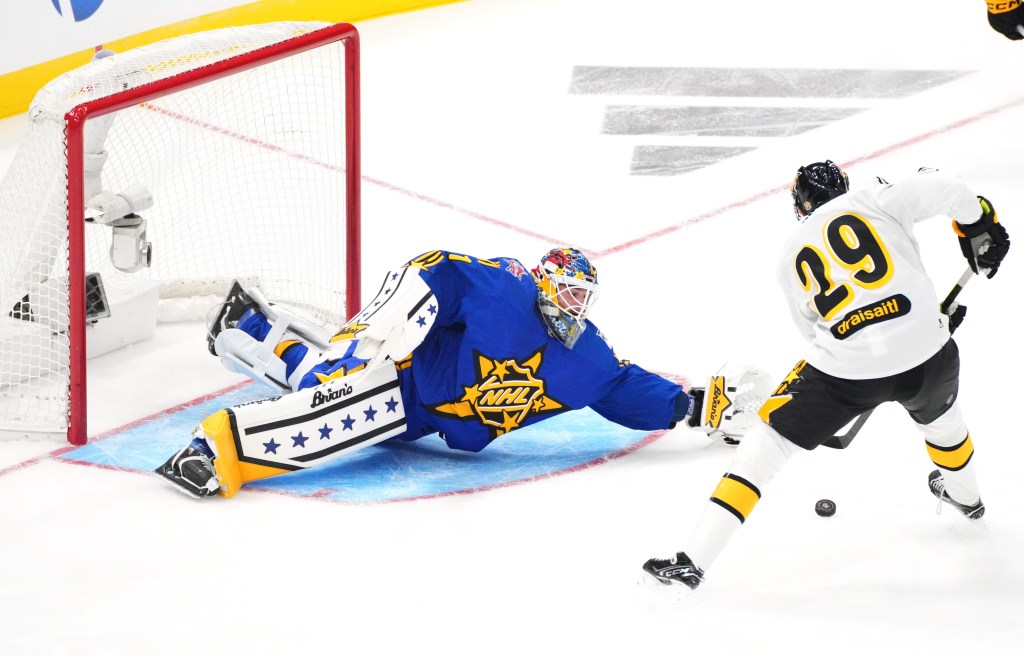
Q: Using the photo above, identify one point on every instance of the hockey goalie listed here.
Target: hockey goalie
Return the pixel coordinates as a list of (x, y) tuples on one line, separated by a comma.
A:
[(466, 347)]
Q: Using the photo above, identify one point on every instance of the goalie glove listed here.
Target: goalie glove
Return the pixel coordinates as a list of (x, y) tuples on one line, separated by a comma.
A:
[(985, 242), (727, 408), (1007, 18)]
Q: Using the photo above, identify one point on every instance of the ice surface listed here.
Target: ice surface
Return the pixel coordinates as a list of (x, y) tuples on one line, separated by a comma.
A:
[(475, 141)]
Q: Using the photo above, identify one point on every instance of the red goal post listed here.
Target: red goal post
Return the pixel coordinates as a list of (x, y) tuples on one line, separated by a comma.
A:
[(252, 175)]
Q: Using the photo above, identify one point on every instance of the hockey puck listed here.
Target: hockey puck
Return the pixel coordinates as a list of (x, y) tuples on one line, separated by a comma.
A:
[(825, 508)]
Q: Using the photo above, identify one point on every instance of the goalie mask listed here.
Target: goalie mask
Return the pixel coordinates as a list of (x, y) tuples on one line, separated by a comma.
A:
[(567, 283), (815, 185)]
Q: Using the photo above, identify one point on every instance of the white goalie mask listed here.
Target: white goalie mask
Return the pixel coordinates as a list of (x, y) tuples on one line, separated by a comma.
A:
[(567, 283)]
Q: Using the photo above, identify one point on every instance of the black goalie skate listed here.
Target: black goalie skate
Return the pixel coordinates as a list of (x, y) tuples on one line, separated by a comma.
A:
[(938, 487), (192, 472), (677, 570), (231, 310)]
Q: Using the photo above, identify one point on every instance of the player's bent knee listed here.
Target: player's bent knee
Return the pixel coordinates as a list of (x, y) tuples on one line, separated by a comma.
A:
[(950, 428), (762, 454)]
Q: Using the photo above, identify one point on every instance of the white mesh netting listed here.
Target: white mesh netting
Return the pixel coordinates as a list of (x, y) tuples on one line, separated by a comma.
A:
[(248, 178)]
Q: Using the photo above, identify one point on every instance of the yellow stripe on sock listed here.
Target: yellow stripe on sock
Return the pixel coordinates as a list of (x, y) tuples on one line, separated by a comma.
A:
[(951, 458), (736, 495)]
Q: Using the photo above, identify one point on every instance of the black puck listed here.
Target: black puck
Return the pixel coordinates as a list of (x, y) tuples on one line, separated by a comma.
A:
[(825, 508)]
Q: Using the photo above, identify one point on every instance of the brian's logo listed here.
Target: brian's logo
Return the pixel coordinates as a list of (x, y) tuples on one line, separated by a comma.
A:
[(349, 331), (80, 9), (715, 402), (505, 395), (330, 394)]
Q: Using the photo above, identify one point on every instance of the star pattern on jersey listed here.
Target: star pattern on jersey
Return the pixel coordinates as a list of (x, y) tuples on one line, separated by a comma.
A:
[(506, 393), (781, 396), (299, 440), (325, 432)]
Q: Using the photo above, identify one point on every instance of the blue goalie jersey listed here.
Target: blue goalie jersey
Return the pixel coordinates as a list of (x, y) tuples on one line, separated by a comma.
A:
[(489, 366)]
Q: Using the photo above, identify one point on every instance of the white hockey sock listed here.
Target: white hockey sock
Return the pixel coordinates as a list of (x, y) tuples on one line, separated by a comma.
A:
[(949, 446), (761, 454)]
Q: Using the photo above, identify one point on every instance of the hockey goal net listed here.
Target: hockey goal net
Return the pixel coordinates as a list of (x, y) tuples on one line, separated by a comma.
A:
[(174, 169)]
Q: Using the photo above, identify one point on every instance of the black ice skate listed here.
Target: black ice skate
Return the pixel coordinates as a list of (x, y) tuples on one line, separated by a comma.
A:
[(192, 472), (677, 570), (938, 487), (231, 310)]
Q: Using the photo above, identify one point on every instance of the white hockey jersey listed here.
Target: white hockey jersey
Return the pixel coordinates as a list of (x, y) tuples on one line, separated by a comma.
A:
[(854, 281)]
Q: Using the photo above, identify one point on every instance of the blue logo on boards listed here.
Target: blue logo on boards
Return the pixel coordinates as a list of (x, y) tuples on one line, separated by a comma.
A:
[(80, 9)]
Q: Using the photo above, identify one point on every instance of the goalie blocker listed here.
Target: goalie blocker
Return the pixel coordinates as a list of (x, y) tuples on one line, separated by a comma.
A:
[(727, 407)]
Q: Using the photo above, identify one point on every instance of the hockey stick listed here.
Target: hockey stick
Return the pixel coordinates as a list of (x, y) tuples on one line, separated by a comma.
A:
[(947, 307)]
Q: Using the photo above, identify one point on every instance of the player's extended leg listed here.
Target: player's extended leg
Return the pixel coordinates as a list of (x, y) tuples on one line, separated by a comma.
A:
[(304, 429), (950, 448), (929, 393), (760, 455)]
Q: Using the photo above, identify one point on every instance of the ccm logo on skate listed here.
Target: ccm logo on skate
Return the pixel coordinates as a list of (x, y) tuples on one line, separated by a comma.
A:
[(671, 570), (884, 310), (320, 398), (1003, 7)]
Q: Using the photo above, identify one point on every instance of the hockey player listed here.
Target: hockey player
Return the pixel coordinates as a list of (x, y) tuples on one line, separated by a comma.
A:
[(857, 290), (1007, 18), (467, 347)]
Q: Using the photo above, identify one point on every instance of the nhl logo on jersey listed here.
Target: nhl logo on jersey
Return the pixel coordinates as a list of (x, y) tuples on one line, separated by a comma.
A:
[(506, 394)]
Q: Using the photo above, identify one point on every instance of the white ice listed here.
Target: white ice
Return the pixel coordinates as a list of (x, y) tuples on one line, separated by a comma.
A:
[(472, 143)]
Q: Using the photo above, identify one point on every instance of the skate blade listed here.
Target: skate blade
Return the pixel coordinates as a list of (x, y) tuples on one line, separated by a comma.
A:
[(671, 594), (179, 487)]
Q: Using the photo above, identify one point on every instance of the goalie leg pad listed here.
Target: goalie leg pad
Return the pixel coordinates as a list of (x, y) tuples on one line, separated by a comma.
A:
[(241, 353), (292, 321), (306, 428), (396, 321)]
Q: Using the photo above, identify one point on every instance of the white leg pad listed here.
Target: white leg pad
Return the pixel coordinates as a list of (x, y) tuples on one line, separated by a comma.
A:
[(239, 352), (321, 423), (398, 318), (280, 315)]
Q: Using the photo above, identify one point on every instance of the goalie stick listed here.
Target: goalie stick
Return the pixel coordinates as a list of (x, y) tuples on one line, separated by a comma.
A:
[(947, 307)]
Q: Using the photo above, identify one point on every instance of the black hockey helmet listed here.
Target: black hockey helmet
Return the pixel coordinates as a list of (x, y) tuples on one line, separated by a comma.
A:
[(816, 184)]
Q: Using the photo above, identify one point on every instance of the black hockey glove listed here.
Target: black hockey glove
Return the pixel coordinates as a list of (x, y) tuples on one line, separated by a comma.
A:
[(1007, 18), (985, 242), (956, 317)]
